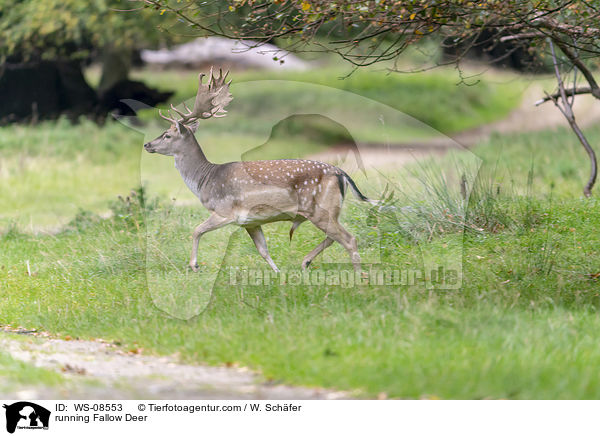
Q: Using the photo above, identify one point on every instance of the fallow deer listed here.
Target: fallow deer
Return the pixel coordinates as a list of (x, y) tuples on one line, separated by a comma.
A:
[(252, 193)]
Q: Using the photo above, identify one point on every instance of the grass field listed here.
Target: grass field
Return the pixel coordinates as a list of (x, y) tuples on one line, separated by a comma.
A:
[(523, 325)]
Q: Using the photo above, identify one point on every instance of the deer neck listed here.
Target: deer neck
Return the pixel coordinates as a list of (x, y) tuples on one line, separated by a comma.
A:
[(193, 166)]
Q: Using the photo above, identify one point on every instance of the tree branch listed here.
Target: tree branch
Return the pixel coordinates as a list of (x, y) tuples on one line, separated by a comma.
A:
[(567, 111), (570, 92), (527, 35), (594, 89), (567, 29)]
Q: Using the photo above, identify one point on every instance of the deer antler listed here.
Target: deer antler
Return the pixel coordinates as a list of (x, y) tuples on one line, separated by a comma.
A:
[(210, 101), (170, 118)]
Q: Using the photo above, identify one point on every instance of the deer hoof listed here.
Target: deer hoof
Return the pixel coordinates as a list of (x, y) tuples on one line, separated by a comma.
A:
[(194, 267)]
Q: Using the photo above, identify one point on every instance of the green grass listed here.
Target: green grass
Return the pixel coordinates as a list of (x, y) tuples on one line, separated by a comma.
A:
[(523, 325), (50, 172)]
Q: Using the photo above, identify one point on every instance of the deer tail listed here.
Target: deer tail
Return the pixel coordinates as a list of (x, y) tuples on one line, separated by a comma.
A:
[(346, 181)]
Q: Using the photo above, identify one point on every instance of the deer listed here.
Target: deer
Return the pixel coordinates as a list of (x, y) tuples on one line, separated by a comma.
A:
[(252, 193)]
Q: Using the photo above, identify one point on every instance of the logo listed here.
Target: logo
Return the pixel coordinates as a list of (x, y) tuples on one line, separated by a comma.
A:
[(26, 415)]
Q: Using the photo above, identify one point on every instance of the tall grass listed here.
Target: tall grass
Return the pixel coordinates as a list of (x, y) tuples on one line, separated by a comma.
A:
[(507, 185), (452, 197)]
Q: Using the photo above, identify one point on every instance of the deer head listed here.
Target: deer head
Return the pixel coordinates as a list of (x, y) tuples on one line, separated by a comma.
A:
[(211, 100)]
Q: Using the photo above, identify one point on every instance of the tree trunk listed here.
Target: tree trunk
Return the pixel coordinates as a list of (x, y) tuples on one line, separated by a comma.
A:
[(116, 64), (44, 90)]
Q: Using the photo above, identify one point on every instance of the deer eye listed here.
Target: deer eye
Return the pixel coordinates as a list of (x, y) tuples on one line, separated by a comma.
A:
[(167, 136)]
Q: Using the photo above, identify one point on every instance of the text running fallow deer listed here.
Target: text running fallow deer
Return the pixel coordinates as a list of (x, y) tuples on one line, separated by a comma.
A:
[(250, 194)]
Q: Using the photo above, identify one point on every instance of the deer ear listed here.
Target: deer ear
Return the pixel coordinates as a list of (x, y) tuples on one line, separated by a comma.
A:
[(192, 127), (178, 126)]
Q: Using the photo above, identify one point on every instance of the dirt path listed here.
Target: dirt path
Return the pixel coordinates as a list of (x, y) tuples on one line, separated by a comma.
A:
[(526, 118), (96, 369)]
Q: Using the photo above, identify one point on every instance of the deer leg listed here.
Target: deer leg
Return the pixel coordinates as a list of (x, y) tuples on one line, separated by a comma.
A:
[(258, 237), (348, 241), (334, 230), (213, 222), (316, 251)]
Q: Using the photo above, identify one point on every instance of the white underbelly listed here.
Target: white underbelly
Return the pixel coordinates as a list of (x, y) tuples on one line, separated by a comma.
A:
[(249, 219), (266, 207)]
